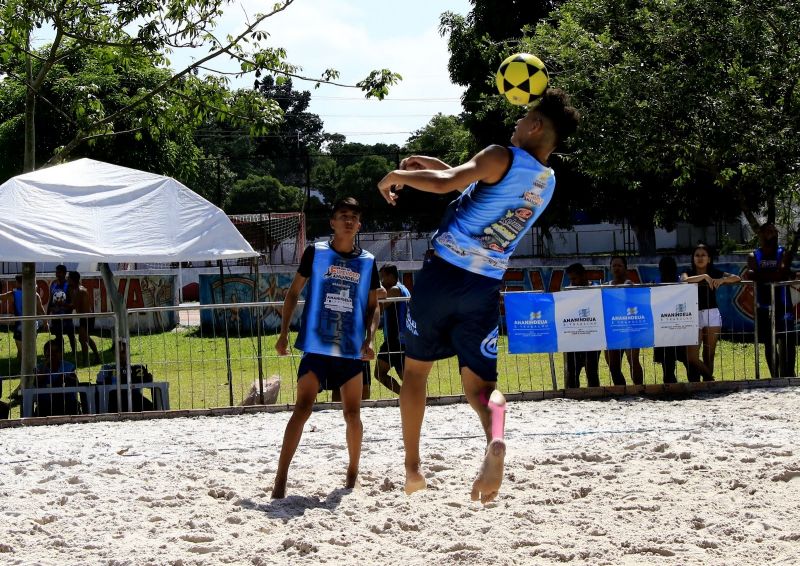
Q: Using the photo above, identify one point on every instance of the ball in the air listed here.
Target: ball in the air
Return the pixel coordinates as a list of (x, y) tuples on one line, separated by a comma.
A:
[(522, 78)]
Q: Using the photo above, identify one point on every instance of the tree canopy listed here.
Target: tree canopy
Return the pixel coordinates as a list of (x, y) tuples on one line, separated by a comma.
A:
[(146, 31), (690, 107)]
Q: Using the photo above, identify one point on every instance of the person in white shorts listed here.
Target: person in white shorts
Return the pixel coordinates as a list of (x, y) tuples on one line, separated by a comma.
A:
[(708, 278)]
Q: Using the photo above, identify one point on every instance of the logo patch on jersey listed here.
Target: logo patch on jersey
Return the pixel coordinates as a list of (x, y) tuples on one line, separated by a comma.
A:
[(343, 273), (411, 324), (489, 344), (448, 240), (500, 234), (339, 302)]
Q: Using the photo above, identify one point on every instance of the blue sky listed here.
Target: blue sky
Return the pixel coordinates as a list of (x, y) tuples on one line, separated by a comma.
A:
[(355, 36)]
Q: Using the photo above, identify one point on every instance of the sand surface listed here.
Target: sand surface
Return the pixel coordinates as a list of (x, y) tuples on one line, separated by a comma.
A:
[(708, 480)]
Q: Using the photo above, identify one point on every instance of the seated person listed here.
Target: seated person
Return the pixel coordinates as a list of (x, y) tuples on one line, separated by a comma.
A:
[(108, 376), (55, 372)]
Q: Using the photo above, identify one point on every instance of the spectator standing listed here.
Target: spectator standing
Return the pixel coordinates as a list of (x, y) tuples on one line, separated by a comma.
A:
[(619, 276), (79, 297), (15, 298), (667, 356), (575, 361), (60, 303), (708, 279), (392, 351), (770, 263)]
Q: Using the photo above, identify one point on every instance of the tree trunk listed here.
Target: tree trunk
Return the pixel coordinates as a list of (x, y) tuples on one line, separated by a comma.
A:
[(646, 237), (28, 361)]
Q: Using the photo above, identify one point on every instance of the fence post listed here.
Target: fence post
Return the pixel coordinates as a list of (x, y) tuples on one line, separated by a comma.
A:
[(775, 371), (755, 333), (227, 337), (259, 312), (553, 371)]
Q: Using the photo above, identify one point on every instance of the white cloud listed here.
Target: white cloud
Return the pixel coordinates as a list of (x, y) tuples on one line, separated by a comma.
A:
[(356, 36)]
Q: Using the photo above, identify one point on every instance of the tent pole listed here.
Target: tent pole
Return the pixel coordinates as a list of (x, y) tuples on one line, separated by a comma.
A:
[(123, 334), (28, 361), (227, 338)]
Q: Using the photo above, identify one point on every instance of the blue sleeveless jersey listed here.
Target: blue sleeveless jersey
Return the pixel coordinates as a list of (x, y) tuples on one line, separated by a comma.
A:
[(763, 290), (18, 302), (394, 317), (337, 297), (485, 223)]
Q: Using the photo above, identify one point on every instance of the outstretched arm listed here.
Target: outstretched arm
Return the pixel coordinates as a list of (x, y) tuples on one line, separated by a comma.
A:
[(489, 166)]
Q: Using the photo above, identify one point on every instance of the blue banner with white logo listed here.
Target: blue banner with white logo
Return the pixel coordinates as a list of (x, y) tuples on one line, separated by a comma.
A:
[(530, 319), (628, 318), (601, 318)]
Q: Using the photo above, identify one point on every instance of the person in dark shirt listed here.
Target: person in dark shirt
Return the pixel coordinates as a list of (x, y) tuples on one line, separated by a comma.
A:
[(708, 278), (575, 361), (392, 351), (771, 263), (668, 356)]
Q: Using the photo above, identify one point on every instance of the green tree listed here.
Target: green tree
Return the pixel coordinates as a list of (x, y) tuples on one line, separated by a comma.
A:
[(263, 194), (163, 27), (444, 137), (299, 134), (690, 107), (166, 144), (478, 42), (360, 180)]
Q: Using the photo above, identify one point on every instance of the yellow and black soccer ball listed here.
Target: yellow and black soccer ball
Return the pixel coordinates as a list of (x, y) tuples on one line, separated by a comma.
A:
[(522, 78)]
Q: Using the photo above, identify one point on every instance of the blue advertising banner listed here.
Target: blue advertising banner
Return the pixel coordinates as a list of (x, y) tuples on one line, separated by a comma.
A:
[(601, 318), (530, 319), (628, 318)]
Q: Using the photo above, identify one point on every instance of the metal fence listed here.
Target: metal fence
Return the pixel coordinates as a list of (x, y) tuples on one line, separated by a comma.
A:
[(227, 363)]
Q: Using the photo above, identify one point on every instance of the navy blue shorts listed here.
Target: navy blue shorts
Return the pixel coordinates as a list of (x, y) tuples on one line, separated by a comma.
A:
[(454, 312), (332, 372)]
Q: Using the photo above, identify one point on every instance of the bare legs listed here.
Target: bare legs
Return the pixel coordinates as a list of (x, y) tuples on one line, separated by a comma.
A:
[(708, 337), (412, 411), (307, 388), (351, 410), (382, 376), (87, 342), (614, 361)]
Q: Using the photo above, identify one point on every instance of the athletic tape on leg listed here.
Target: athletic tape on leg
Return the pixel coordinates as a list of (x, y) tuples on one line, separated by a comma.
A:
[(497, 408)]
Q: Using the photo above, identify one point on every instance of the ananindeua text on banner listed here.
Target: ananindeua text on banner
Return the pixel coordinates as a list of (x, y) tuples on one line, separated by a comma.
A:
[(601, 318)]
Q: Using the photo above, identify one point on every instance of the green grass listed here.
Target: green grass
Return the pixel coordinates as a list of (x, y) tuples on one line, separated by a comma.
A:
[(196, 367)]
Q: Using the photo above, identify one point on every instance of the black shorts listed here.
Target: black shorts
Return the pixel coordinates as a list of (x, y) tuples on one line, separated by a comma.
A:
[(332, 372), (61, 326), (454, 312), (18, 330), (393, 354)]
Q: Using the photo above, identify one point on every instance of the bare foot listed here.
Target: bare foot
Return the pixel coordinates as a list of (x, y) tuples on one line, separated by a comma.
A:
[(352, 479), (279, 489), (415, 481), (490, 476)]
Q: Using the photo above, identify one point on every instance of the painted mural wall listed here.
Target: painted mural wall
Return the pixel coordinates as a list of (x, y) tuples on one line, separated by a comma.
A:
[(139, 291), (736, 302)]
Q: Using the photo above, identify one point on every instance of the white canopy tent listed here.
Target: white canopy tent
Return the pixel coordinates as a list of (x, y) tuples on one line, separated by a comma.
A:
[(91, 211)]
